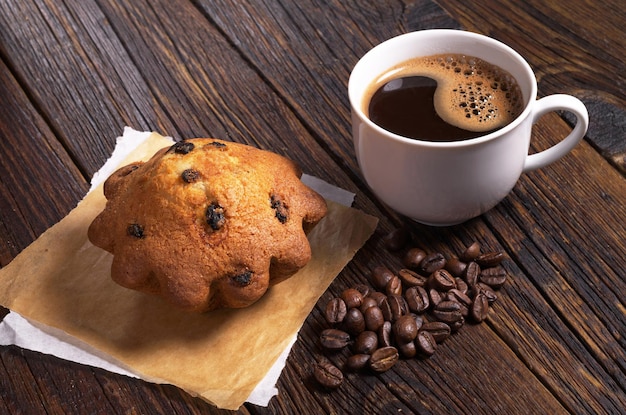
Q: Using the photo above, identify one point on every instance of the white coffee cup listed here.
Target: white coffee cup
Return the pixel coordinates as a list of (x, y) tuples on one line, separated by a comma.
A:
[(446, 183)]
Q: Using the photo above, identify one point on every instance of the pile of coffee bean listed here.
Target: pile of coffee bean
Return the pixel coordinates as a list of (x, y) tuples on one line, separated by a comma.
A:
[(408, 313)]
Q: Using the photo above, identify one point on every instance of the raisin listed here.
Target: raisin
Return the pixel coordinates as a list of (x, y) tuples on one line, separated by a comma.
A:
[(135, 230), (242, 279), (215, 216), (282, 213), (126, 170), (182, 147), (190, 175), (217, 144)]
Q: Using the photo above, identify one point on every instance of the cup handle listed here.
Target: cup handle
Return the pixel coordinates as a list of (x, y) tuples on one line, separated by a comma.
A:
[(551, 103)]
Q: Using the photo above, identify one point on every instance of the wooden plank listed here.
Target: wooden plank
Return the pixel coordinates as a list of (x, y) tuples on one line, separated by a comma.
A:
[(20, 393), (39, 185), (39, 181), (78, 75), (135, 396), (66, 387)]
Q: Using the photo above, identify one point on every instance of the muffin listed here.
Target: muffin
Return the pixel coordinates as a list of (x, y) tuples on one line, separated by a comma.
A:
[(207, 224)]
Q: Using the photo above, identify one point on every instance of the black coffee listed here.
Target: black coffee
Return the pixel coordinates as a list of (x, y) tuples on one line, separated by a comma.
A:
[(444, 98)]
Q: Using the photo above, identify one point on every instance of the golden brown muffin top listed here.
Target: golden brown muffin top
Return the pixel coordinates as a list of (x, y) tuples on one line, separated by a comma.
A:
[(207, 223)]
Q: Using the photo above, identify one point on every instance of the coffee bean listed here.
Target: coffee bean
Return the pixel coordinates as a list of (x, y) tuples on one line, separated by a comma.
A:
[(461, 285), (489, 259), (335, 311), (435, 297), (456, 267), (494, 277), (363, 289), (352, 297), (328, 375), (472, 272), (411, 278), (354, 322), (384, 334), (404, 329), (384, 359), (385, 308), (417, 299), (373, 318), (419, 320), (333, 339), (487, 291), (464, 311), (432, 262), (480, 307), (456, 326), (367, 303), (439, 330), (378, 297), (381, 275), (383, 325), (394, 286), (448, 311), (441, 280), (456, 295), (407, 350), (366, 342), (471, 252), (413, 258), (397, 239), (398, 306), (357, 362), (447, 306), (425, 343)]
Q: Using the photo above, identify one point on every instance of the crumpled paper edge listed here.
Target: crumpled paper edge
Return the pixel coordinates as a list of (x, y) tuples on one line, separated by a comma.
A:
[(16, 329)]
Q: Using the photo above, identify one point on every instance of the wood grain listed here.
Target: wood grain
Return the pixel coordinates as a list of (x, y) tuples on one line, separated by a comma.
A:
[(78, 75), (28, 210), (274, 74)]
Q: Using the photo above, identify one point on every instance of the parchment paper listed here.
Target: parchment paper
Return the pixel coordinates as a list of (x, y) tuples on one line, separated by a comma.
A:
[(61, 283)]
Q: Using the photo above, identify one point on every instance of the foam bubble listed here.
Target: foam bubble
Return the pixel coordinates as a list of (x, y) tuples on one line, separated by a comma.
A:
[(471, 94)]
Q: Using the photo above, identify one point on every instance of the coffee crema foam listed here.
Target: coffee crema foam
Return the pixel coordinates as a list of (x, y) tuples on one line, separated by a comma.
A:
[(471, 93)]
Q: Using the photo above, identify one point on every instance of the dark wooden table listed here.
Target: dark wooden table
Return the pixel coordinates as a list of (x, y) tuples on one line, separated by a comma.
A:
[(274, 74)]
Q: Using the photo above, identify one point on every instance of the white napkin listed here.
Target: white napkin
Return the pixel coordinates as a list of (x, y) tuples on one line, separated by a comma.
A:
[(19, 331)]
